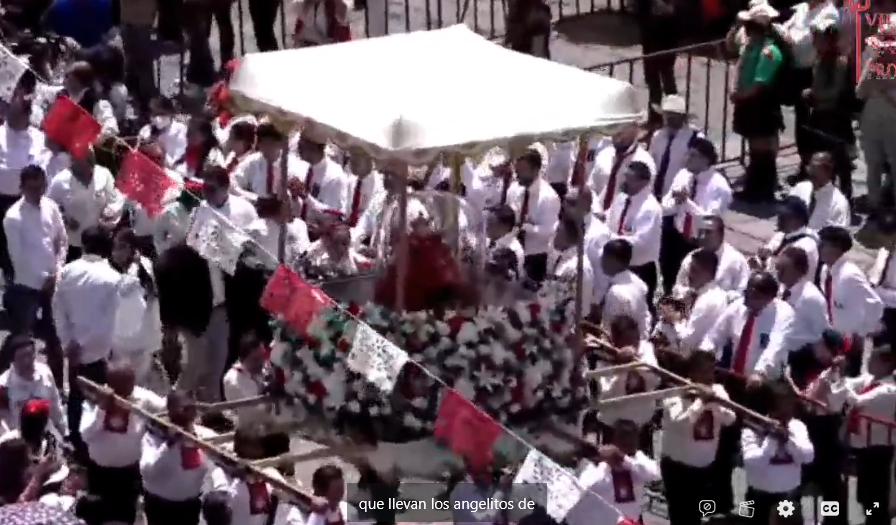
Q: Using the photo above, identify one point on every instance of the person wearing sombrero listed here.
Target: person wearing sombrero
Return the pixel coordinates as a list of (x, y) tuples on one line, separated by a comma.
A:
[(876, 89), (757, 102)]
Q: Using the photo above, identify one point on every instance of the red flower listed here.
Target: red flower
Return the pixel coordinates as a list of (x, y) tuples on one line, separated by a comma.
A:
[(344, 346), (354, 309), (557, 328), (519, 349), (316, 388), (313, 343), (516, 395), (455, 324), (534, 310)]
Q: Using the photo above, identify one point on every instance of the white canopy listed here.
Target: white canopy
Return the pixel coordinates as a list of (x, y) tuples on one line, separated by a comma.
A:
[(413, 95)]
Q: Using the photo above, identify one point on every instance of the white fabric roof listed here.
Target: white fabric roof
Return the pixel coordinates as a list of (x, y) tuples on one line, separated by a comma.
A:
[(414, 95)]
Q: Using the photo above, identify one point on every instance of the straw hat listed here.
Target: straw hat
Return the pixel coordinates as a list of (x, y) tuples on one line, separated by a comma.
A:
[(673, 104), (761, 13)]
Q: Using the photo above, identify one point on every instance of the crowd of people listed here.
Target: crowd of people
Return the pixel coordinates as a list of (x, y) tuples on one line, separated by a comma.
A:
[(796, 332)]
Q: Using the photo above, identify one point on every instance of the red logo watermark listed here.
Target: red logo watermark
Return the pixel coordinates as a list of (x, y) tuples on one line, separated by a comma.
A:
[(860, 10)]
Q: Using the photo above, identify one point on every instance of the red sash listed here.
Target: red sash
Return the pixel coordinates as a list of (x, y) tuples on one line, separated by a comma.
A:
[(623, 486), (190, 457), (705, 426), (259, 497), (116, 419)]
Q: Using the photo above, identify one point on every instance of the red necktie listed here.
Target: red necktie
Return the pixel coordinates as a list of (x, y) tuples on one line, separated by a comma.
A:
[(356, 203), (506, 173), (259, 497), (192, 158), (628, 202), (623, 486), (269, 180), (308, 176), (743, 346), (236, 160), (853, 420), (688, 226), (524, 210), (829, 295), (611, 184), (705, 427)]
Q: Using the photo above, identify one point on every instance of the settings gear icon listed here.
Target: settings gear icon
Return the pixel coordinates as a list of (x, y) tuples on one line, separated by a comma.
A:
[(785, 509)]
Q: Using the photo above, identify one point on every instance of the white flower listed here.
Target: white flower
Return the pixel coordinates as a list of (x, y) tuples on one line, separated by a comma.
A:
[(522, 309), (465, 388), (443, 328), (468, 333)]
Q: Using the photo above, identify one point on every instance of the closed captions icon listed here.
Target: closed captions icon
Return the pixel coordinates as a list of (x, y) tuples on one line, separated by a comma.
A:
[(830, 509)]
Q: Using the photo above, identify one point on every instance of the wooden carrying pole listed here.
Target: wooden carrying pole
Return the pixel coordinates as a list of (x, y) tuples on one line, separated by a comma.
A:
[(289, 489), (653, 395), (756, 417)]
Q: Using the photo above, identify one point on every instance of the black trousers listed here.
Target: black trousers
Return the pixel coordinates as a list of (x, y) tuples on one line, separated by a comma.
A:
[(766, 503), (888, 337), (658, 35), (873, 481), (96, 372), (169, 20), (832, 131), (221, 14), (6, 201), (647, 273), (673, 249), (826, 471), (802, 79), (118, 490), (685, 486), (536, 266), (264, 15), (160, 511)]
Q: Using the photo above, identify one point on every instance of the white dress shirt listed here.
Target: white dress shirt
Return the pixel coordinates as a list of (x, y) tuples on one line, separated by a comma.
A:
[(138, 327), (476, 194), (510, 241), (803, 238), (855, 307), (883, 277), (678, 150), (36, 240), (39, 386), (732, 273), (870, 396), (626, 295), (766, 353), (215, 157), (642, 225), (689, 333), (710, 194), (17, 150), (102, 112), (630, 382), (623, 489), (85, 306), (54, 163), (86, 204), (171, 226), (772, 466), (240, 384), (564, 266), (367, 187), (831, 207), (250, 176), (602, 172), (169, 471), (542, 214), (597, 234), (250, 499), (810, 318), (561, 160), (798, 30), (326, 184), (267, 235), (241, 213), (595, 145), (173, 140), (691, 428), (115, 440)]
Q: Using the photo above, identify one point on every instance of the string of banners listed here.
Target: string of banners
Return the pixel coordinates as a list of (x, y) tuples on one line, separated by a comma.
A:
[(467, 430)]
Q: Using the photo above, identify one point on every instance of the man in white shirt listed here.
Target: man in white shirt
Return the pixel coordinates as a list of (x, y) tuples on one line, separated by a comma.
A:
[(537, 208), (577, 206), (323, 185), (164, 129), (670, 145), (853, 307), (87, 197), (627, 293), (258, 175), (810, 319), (827, 204), (563, 261), (27, 379), (704, 303), (500, 228), (21, 144), (696, 191), (636, 216), (733, 271), (611, 164), (37, 244), (84, 309), (883, 277), (793, 230), (80, 79), (363, 184), (692, 424)]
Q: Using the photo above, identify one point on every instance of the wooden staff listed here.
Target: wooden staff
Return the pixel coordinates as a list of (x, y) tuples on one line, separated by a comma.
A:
[(610, 370), (290, 489), (755, 417), (654, 395)]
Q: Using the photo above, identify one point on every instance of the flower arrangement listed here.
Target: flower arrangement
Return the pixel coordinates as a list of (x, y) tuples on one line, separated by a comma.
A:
[(516, 363)]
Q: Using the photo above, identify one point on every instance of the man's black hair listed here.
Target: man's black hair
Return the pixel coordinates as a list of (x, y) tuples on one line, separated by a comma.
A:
[(97, 240)]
